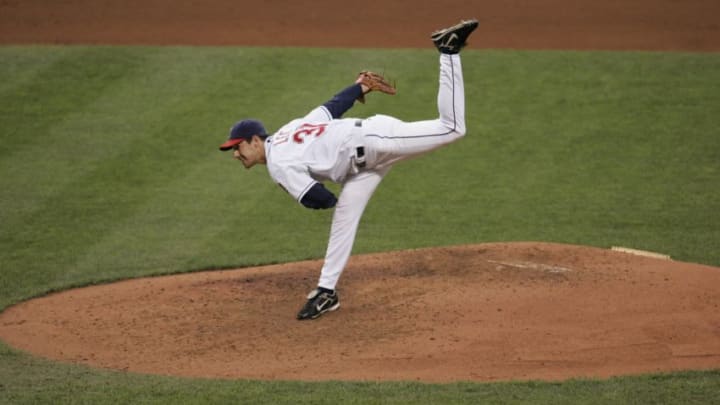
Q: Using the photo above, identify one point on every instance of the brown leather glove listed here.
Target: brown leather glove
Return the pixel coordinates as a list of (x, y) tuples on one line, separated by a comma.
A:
[(372, 81)]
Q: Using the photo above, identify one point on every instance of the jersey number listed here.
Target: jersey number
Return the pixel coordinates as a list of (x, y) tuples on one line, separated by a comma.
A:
[(306, 130)]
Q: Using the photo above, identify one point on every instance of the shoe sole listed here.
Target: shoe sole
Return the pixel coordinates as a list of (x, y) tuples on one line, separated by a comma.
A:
[(440, 33)]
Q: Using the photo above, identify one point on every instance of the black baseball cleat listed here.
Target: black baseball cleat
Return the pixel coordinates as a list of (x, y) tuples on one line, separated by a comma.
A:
[(318, 302), (452, 40)]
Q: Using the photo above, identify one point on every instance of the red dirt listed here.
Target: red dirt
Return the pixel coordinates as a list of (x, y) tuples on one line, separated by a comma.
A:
[(523, 24), (482, 312)]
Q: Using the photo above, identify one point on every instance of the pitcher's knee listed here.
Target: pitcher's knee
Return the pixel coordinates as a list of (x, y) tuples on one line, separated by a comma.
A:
[(457, 132), (453, 135), (456, 128)]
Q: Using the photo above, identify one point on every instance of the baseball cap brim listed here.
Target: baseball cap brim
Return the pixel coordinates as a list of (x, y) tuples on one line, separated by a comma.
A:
[(230, 143)]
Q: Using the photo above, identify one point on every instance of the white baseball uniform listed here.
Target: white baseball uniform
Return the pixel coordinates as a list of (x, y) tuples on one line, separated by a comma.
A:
[(357, 154)]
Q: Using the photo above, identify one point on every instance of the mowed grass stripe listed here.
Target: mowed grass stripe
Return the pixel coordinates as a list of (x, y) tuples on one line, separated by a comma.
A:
[(44, 121), (103, 159)]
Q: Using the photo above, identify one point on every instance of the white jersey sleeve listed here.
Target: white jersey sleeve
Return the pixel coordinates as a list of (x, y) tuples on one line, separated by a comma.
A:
[(294, 179), (319, 114)]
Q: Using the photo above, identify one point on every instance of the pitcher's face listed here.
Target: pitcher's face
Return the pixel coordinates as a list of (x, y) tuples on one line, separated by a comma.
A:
[(251, 152)]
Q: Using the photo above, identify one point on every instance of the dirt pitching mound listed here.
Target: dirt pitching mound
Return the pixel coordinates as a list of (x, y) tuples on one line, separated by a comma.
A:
[(482, 312)]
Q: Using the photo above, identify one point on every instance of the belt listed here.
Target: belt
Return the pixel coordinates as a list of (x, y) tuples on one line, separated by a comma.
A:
[(360, 150), (360, 156)]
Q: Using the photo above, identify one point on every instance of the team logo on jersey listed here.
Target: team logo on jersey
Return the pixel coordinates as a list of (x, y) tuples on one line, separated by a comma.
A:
[(281, 137)]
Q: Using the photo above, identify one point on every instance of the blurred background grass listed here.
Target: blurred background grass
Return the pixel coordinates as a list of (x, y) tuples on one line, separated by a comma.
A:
[(109, 165)]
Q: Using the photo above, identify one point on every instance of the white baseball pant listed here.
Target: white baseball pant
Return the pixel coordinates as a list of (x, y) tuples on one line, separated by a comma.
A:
[(388, 140)]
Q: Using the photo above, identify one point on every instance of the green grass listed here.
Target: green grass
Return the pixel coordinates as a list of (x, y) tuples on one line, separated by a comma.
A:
[(109, 169), (69, 384)]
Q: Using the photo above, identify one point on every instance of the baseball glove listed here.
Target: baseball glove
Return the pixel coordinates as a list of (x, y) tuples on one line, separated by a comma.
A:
[(373, 81)]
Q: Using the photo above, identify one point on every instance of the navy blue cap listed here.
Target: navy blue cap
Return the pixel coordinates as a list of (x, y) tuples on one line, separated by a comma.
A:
[(243, 130)]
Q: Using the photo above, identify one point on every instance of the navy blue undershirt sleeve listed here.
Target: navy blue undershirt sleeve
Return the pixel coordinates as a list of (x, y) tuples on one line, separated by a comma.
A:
[(342, 101), (318, 197)]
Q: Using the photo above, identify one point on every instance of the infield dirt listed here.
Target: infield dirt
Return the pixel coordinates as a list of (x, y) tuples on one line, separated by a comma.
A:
[(479, 312)]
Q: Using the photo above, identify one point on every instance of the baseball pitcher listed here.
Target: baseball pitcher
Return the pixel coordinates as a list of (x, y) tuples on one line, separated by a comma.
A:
[(356, 153)]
